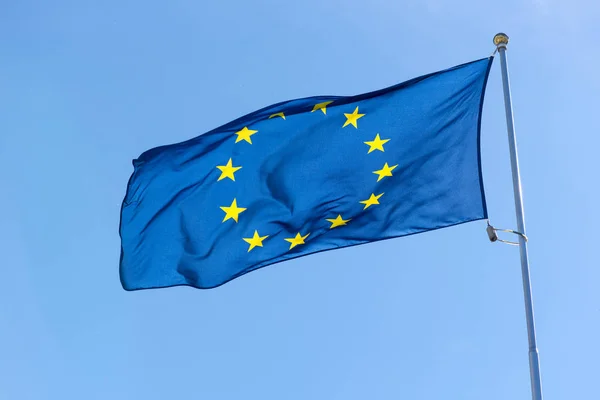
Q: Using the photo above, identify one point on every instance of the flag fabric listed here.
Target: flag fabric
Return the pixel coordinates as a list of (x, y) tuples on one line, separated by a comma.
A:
[(305, 176)]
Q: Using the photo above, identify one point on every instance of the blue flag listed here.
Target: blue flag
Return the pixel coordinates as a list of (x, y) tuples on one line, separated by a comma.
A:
[(305, 176)]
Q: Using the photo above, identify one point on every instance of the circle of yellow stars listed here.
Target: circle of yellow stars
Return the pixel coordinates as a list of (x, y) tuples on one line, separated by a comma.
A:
[(228, 170)]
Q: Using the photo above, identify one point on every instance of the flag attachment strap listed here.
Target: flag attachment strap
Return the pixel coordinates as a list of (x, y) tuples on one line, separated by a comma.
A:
[(493, 236)]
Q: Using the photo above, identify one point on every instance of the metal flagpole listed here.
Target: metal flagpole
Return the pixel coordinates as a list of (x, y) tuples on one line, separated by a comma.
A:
[(501, 40)]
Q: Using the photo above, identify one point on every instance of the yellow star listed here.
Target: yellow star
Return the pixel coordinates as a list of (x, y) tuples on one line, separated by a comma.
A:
[(377, 144), (232, 211), (255, 241), (279, 114), (372, 200), (352, 118), (339, 221), (385, 171), (245, 134), (322, 106), (299, 239), (227, 171)]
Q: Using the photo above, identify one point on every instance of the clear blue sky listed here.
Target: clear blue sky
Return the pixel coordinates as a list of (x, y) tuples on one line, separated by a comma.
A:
[(85, 87)]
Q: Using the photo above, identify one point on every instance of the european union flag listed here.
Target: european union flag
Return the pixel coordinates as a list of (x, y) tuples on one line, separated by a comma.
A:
[(304, 176)]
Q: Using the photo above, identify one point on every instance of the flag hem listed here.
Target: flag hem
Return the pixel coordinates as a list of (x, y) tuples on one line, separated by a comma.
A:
[(481, 185)]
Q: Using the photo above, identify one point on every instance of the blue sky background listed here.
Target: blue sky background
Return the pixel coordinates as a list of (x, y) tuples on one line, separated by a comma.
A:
[(86, 86)]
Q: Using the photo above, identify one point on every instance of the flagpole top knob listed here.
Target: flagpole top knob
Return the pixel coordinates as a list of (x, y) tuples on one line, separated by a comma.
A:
[(501, 40)]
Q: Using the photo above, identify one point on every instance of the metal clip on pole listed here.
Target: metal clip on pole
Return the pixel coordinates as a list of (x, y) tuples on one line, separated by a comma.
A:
[(491, 231)]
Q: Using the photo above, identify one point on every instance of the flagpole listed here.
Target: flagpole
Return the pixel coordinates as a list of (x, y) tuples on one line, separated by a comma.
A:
[(501, 41)]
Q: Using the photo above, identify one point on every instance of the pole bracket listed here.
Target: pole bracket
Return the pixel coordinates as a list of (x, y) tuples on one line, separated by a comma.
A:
[(493, 236)]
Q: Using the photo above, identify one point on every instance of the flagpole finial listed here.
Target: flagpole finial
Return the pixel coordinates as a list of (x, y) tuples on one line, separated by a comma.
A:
[(501, 40)]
